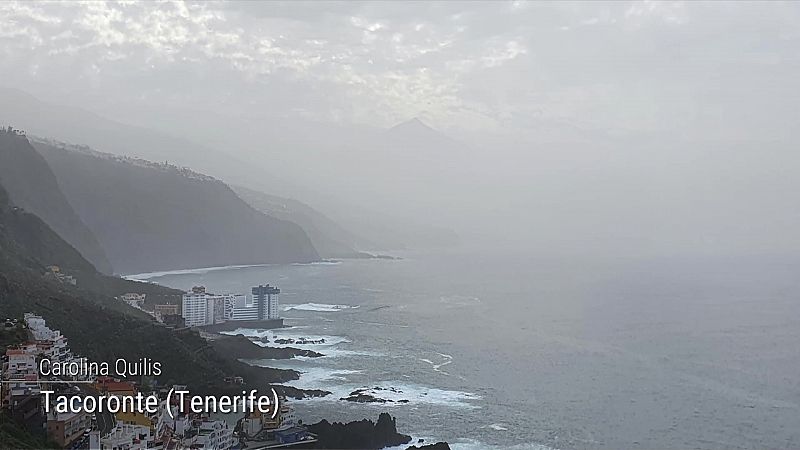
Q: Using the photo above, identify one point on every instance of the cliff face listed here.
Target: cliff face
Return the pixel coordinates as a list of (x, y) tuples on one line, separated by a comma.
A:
[(32, 185), (328, 237), (151, 217)]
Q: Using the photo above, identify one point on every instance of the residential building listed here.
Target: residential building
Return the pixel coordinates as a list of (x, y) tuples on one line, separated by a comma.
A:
[(237, 307), (20, 376), (64, 428), (266, 300), (54, 273), (161, 311), (210, 434), (202, 308), (113, 386), (123, 437), (133, 299), (46, 342)]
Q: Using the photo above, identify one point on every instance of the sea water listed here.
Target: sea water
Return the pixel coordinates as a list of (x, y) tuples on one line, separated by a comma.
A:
[(494, 350)]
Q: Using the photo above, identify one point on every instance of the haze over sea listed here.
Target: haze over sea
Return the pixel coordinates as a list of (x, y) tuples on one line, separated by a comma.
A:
[(518, 351)]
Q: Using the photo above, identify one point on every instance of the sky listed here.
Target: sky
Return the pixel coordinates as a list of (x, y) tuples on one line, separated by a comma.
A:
[(660, 125), (494, 67)]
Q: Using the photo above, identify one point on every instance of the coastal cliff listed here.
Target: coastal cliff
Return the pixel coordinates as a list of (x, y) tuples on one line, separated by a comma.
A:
[(156, 216), (31, 185)]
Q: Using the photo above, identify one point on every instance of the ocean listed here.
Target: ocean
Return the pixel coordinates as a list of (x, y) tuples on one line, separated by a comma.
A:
[(500, 350)]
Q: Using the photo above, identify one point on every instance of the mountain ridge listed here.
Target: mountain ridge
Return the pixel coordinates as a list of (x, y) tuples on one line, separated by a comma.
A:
[(32, 185), (153, 216)]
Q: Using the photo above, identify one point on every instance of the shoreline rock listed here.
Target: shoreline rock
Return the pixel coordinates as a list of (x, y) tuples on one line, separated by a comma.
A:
[(362, 434), (362, 396), (297, 393), (436, 446), (241, 347)]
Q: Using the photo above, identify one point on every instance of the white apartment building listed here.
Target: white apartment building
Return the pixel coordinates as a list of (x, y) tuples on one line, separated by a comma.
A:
[(201, 308), (211, 435), (238, 307), (265, 297), (21, 375), (51, 343), (123, 437)]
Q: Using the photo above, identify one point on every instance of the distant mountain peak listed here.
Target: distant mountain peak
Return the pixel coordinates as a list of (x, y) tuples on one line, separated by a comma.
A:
[(414, 123), (416, 133)]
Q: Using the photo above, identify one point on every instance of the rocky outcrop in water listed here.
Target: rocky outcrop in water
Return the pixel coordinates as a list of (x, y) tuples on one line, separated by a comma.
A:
[(436, 446), (241, 347), (364, 396)]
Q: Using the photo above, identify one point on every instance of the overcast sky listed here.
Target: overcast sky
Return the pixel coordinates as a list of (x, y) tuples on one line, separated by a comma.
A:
[(704, 68), (667, 125)]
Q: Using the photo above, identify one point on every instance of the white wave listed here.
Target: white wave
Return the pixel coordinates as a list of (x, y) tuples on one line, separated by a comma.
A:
[(203, 270), (318, 263), (319, 307), (459, 300), (318, 377), (381, 324), (394, 393), (415, 440), (437, 367), (472, 444), (469, 444), (285, 333), (498, 427)]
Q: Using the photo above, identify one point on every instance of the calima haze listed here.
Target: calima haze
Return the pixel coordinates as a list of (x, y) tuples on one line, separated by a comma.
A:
[(527, 225)]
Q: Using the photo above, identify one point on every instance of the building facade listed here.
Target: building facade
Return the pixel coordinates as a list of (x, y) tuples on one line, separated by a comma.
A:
[(134, 299), (237, 307), (65, 428), (201, 308), (161, 311), (265, 298)]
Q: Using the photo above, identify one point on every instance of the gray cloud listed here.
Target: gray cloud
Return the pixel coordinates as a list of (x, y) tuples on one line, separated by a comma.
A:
[(492, 66)]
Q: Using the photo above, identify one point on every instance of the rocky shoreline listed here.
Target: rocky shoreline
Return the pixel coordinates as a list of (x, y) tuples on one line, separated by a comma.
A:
[(363, 434), (363, 396), (241, 347)]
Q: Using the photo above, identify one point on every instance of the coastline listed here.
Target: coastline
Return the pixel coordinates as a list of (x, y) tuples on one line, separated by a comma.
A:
[(233, 325), (253, 353)]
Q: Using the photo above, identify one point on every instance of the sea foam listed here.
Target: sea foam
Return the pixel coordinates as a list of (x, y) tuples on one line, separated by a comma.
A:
[(318, 307)]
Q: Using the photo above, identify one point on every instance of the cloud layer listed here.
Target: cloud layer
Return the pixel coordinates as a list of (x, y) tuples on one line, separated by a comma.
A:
[(490, 66)]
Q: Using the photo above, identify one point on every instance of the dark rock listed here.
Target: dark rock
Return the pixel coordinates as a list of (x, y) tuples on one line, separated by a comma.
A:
[(241, 347), (361, 396), (436, 446), (296, 393), (363, 434)]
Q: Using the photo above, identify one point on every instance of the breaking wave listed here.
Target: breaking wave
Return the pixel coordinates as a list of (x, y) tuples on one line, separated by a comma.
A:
[(318, 307)]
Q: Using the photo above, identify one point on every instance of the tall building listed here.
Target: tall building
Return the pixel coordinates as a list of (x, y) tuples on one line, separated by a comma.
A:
[(265, 298), (201, 308)]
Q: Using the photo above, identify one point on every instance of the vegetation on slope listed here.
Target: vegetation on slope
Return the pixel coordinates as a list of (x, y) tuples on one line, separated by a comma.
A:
[(98, 326)]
